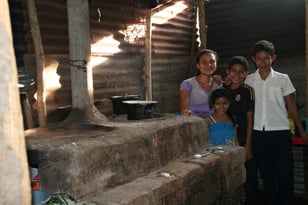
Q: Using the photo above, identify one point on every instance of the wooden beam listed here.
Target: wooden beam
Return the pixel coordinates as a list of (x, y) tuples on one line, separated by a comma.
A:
[(202, 23), (306, 34), (14, 171), (40, 63), (148, 57), (193, 40)]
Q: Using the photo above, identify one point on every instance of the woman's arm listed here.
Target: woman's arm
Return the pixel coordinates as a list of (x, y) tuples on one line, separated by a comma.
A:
[(184, 102)]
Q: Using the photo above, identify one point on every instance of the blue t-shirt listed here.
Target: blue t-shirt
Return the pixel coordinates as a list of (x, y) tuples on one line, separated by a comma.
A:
[(199, 98), (221, 133)]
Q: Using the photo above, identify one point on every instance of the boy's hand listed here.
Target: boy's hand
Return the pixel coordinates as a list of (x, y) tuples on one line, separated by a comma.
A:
[(217, 79), (227, 81), (248, 152)]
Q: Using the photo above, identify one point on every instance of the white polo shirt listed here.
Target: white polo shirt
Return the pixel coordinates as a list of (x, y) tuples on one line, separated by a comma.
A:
[(270, 108)]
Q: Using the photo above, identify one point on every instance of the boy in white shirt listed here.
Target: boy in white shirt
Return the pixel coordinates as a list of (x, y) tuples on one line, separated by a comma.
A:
[(272, 139)]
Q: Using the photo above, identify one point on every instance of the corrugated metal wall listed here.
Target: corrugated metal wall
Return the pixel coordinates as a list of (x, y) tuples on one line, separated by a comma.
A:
[(234, 26), (172, 28), (17, 22), (117, 33), (117, 27), (52, 16)]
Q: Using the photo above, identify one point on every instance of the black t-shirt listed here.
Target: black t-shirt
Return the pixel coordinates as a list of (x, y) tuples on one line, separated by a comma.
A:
[(243, 101)]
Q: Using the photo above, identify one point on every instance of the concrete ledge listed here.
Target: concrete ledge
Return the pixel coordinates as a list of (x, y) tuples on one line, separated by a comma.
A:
[(81, 160), (208, 180)]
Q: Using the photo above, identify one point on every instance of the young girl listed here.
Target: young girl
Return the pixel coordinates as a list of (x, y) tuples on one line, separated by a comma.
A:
[(221, 125)]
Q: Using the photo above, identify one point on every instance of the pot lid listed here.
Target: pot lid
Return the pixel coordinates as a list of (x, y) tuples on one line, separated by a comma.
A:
[(140, 102), (123, 96)]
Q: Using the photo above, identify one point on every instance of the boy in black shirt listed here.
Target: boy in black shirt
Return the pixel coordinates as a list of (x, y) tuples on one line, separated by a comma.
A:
[(242, 109)]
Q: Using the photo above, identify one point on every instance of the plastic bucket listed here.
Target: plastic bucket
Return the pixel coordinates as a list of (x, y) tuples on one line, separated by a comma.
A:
[(139, 109), (40, 197)]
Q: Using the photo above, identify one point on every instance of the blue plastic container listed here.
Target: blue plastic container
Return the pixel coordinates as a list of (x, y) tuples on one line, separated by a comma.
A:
[(40, 197)]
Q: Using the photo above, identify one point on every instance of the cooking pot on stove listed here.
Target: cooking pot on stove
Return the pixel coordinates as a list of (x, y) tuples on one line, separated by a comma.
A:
[(140, 109), (119, 108)]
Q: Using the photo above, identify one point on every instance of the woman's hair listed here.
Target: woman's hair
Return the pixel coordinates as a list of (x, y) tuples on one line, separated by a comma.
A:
[(263, 45), (205, 51), (241, 60), (201, 53), (218, 93)]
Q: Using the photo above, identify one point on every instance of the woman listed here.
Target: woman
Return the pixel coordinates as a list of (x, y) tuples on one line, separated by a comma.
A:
[(195, 91)]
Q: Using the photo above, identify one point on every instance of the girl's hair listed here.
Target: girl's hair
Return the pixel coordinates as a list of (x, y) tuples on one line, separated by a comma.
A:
[(201, 53), (241, 60), (263, 45), (218, 93)]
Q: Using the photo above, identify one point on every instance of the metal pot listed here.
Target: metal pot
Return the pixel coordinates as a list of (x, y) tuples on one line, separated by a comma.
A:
[(117, 103), (140, 109)]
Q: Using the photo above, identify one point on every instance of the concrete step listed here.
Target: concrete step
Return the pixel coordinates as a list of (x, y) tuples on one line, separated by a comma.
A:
[(213, 179), (81, 159)]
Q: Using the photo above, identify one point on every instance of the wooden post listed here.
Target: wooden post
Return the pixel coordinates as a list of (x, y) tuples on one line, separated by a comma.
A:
[(148, 56), (202, 23), (84, 110), (79, 42), (306, 34), (14, 170), (193, 41), (40, 63)]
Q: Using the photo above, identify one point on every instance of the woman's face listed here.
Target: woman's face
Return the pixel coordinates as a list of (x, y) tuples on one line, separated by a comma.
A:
[(207, 64)]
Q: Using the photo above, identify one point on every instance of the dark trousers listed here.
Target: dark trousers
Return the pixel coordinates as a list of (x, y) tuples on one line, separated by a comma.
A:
[(251, 184), (274, 155)]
